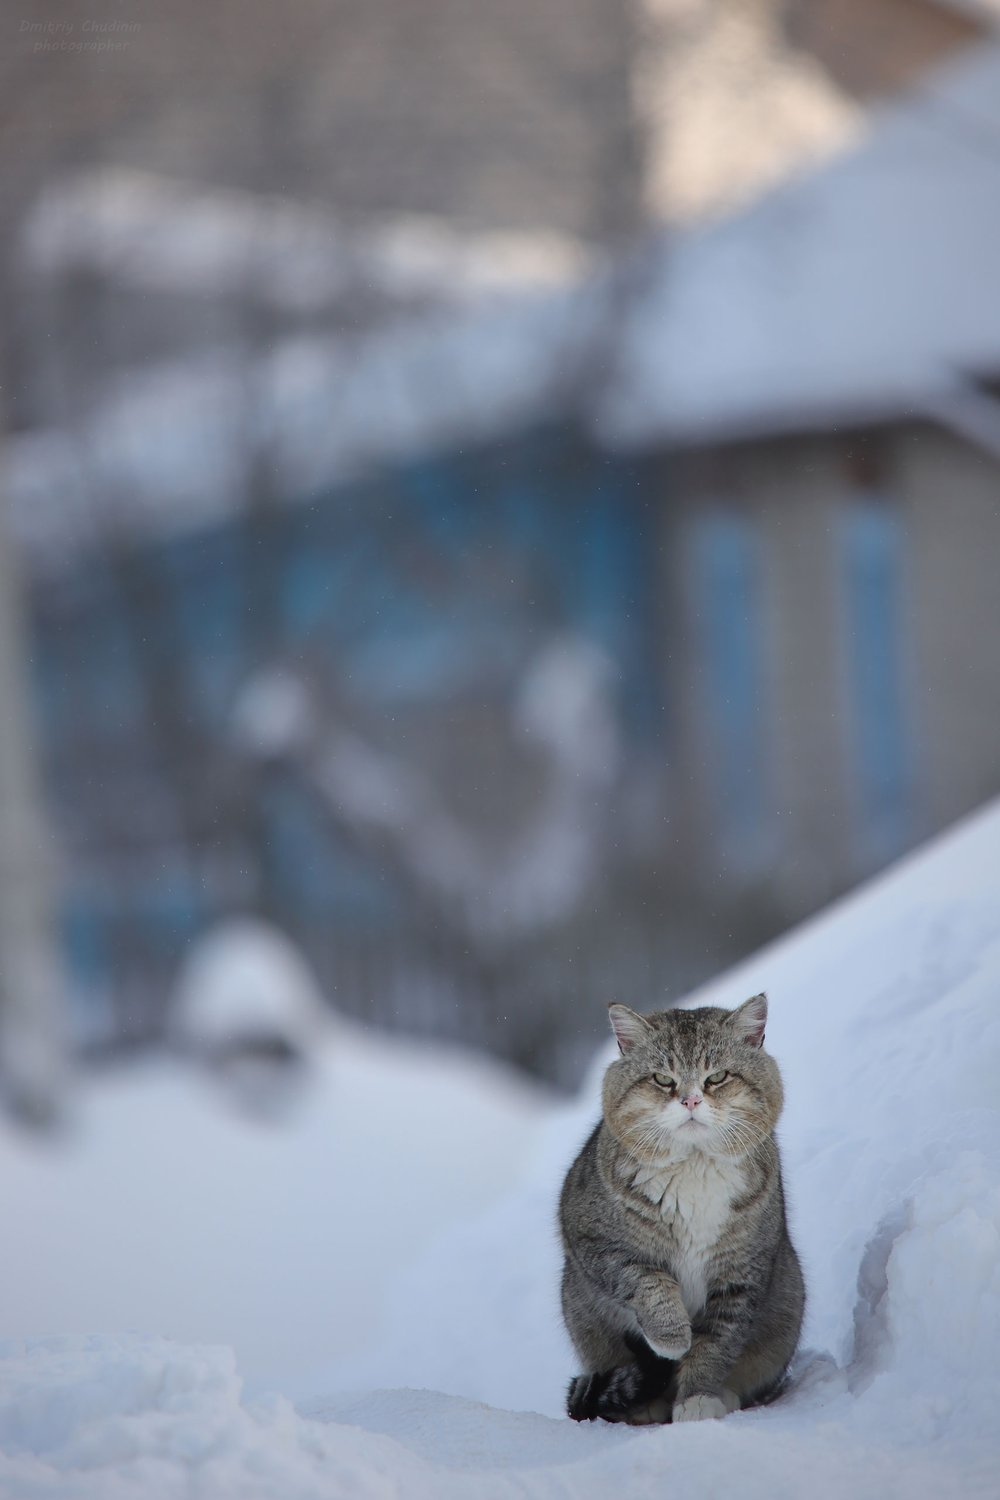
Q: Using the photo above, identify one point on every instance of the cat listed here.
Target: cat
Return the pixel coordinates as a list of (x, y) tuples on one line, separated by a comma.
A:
[(681, 1288)]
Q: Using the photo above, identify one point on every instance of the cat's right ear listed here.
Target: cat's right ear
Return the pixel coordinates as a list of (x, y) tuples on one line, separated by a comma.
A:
[(628, 1026), (749, 1019)]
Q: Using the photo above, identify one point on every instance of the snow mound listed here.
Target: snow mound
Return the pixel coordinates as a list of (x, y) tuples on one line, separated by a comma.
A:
[(113, 1418), (246, 979)]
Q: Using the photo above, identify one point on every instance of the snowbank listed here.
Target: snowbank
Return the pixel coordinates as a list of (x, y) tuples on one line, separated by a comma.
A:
[(885, 1020)]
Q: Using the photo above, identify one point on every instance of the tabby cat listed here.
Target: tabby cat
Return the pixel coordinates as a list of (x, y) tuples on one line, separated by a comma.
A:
[(681, 1289)]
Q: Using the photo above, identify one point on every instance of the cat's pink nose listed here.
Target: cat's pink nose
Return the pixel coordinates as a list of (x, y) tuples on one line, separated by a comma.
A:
[(692, 1101)]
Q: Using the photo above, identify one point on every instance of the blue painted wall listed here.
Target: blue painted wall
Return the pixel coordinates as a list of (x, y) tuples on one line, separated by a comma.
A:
[(725, 587), (872, 548)]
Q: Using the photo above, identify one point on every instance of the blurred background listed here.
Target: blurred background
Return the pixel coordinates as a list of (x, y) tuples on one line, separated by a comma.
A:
[(500, 505)]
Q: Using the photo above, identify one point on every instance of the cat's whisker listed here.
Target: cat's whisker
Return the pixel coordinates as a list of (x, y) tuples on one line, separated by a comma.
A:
[(649, 1146), (747, 1137), (738, 1136), (737, 1131)]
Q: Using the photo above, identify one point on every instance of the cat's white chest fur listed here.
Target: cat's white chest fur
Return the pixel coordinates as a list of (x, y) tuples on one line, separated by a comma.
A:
[(694, 1196)]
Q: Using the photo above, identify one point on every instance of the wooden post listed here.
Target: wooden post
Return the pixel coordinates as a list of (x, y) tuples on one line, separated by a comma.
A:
[(32, 1021)]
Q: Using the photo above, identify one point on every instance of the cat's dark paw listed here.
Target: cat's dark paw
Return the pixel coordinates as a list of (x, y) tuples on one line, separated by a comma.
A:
[(628, 1394), (582, 1396), (638, 1394)]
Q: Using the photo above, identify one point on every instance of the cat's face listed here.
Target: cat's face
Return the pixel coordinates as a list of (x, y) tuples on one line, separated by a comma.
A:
[(692, 1080)]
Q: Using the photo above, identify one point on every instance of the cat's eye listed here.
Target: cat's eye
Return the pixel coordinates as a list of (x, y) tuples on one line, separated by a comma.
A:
[(663, 1080), (719, 1077)]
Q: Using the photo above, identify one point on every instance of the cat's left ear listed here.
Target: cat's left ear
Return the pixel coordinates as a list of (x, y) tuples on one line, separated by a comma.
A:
[(629, 1027), (749, 1020)]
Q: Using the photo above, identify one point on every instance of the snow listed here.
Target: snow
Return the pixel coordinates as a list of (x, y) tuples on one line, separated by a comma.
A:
[(151, 231), (389, 1258), (564, 727), (246, 978), (273, 714), (566, 702), (171, 447), (169, 1210), (865, 289)]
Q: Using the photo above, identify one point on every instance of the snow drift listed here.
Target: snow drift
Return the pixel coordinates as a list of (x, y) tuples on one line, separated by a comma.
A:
[(885, 1021)]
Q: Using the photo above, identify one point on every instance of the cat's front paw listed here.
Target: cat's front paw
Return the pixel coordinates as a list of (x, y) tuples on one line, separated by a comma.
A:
[(668, 1340), (627, 1393), (581, 1398), (702, 1409), (699, 1409)]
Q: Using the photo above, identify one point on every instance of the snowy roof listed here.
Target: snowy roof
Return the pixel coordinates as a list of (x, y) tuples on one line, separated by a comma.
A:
[(868, 288)]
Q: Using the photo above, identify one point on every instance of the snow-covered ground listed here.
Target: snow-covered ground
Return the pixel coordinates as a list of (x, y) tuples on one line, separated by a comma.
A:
[(387, 1257), (171, 1211)]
